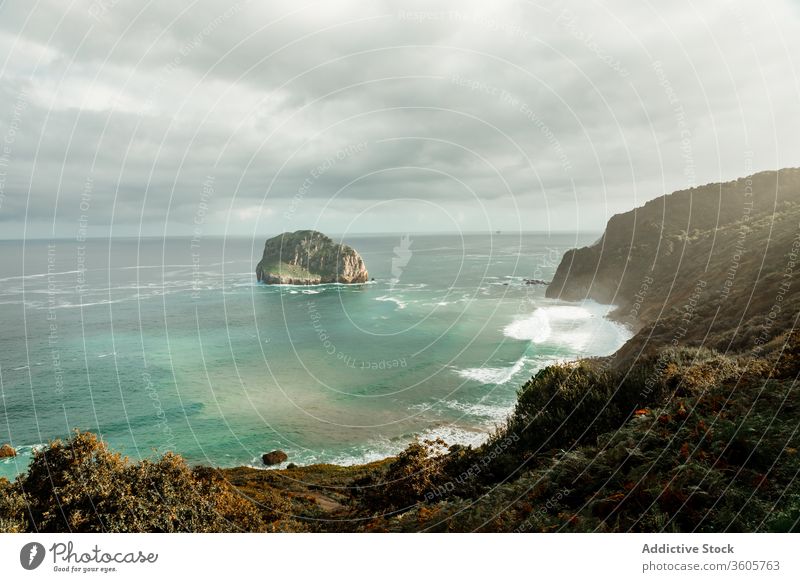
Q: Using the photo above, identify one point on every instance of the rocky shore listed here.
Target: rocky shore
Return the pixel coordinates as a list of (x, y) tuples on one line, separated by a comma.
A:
[(665, 435)]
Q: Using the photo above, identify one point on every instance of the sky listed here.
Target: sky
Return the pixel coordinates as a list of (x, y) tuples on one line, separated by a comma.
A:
[(200, 118)]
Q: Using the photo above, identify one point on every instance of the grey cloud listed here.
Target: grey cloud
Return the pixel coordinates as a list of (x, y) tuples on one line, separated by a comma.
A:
[(560, 104)]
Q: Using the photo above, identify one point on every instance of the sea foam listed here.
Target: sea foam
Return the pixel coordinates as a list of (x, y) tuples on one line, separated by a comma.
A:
[(493, 375), (399, 302)]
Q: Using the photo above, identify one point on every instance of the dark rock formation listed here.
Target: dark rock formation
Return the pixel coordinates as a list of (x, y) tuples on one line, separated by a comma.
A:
[(274, 457), (701, 265), (7, 451), (308, 257)]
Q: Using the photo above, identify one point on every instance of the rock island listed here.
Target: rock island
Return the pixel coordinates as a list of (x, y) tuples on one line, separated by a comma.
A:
[(308, 257)]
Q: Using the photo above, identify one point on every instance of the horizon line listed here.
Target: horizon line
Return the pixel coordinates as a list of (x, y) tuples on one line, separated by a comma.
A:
[(242, 236)]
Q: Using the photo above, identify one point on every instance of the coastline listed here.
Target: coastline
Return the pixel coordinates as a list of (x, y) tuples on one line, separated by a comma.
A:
[(480, 434), (235, 334), (466, 434), (616, 441)]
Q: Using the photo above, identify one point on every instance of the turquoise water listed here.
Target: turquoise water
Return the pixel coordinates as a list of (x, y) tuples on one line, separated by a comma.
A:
[(166, 344)]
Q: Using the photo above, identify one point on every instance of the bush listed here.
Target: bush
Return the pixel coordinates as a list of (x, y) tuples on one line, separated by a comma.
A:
[(12, 509), (719, 453), (570, 404), (412, 476), (80, 486)]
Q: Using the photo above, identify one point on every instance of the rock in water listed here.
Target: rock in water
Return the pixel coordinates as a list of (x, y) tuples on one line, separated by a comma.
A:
[(7, 451), (274, 457), (308, 257)]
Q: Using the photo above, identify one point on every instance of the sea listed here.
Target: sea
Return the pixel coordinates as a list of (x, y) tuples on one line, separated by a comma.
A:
[(171, 344)]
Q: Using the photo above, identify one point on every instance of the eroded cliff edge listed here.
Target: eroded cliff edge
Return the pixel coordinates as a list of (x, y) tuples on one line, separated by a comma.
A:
[(713, 264)]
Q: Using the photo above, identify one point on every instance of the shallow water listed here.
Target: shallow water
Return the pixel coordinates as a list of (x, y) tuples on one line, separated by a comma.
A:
[(158, 345)]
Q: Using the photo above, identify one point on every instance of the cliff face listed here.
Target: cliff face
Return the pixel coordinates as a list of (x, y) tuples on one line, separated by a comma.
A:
[(713, 264), (308, 257)]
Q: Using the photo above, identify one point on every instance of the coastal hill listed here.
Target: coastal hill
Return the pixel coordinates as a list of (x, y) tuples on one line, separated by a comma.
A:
[(308, 257), (691, 427), (711, 265)]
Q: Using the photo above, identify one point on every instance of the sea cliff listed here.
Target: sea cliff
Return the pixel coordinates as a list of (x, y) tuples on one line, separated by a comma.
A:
[(665, 435), (710, 265)]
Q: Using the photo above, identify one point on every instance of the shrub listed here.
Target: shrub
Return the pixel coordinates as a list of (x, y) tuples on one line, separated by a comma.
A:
[(411, 477), (569, 404), (80, 486), (12, 509)]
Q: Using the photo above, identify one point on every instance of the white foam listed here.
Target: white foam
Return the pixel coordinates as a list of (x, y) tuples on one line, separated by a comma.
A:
[(37, 275), (399, 302), (454, 435), (68, 305), (494, 412), (376, 450), (378, 453), (582, 329), (535, 328), (495, 376), (24, 454), (321, 284), (381, 448)]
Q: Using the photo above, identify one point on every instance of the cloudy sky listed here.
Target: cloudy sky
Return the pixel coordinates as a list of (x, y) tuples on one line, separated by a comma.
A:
[(124, 117)]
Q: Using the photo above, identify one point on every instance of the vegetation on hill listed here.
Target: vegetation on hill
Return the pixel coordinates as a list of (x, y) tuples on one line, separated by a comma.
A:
[(81, 486), (715, 449), (692, 441), (691, 426), (286, 270), (711, 266)]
